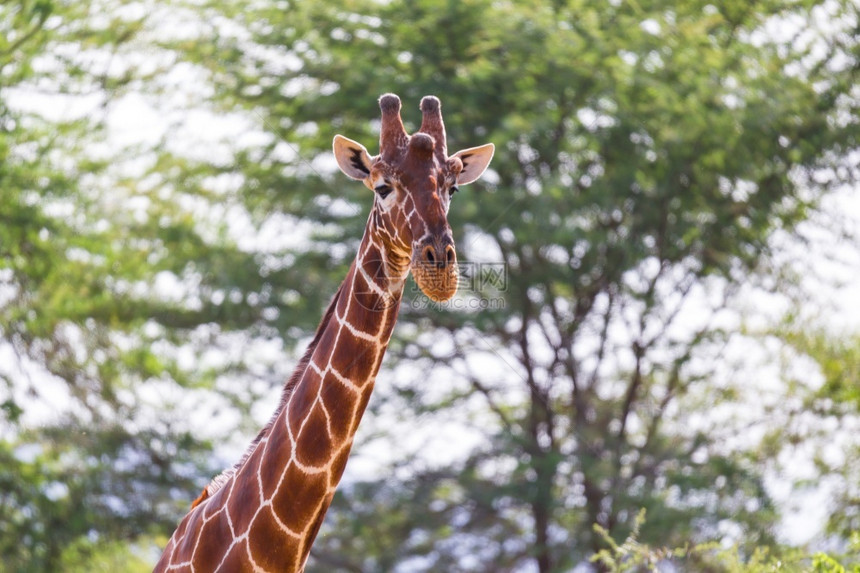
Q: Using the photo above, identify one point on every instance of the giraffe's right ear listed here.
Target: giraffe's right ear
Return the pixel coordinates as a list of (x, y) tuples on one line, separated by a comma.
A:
[(352, 158)]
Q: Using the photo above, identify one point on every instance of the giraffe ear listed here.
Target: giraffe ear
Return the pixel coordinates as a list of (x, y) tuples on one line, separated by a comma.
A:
[(352, 157), (475, 161)]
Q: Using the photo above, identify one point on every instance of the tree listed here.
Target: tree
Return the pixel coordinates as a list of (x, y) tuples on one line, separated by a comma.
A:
[(647, 154), (97, 449), (828, 411)]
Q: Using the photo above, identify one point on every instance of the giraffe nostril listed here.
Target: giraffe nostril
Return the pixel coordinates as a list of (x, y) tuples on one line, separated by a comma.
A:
[(429, 255), (450, 254)]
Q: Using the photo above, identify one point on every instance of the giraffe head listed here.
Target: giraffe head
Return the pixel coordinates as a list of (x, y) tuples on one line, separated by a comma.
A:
[(413, 179)]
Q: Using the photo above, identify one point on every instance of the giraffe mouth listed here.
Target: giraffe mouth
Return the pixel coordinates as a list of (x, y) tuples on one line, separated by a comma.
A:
[(437, 281)]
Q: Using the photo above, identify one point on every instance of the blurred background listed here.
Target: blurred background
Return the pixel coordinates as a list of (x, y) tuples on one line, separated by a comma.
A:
[(664, 345)]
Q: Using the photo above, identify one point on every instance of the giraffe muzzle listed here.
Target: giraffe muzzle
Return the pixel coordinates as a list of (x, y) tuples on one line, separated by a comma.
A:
[(434, 267)]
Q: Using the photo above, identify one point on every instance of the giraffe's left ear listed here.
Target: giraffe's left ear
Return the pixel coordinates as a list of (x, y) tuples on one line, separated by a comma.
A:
[(352, 157), (475, 161)]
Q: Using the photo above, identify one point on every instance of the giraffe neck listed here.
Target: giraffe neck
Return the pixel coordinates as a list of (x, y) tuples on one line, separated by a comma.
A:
[(267, 513)]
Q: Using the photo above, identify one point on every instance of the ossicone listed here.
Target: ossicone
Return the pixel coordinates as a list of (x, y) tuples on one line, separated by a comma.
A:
[(432, 124), (392, 135)]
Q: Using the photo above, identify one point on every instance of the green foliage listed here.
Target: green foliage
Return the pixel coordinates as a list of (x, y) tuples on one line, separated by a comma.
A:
[(836, 400), (839, 361), (647, 152), (89, 557), (632, 555), (80, 317)]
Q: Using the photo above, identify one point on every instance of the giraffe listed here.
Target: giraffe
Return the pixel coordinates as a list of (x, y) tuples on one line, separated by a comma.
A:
[(264, 513)]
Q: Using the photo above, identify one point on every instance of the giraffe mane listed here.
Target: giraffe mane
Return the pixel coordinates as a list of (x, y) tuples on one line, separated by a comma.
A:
[(225, 476)]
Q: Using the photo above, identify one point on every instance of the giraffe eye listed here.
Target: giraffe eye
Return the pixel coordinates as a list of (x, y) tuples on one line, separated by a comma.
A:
[(383, 190), (453, 190)]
